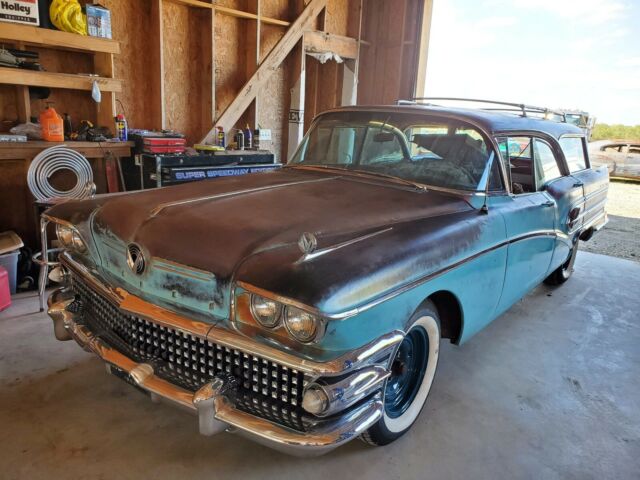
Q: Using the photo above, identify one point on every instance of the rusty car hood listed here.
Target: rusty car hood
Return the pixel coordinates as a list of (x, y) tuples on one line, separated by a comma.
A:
[(247, 228), (214, 225)]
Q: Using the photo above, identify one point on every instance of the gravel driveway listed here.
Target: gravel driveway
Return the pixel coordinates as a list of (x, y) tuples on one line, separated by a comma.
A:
[(621, 236)]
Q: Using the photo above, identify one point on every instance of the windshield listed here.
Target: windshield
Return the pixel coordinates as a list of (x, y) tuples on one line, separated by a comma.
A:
[(417, 148)]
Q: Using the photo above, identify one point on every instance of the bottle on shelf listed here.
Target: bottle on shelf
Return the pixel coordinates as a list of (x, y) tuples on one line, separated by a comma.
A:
[(52, 125), (239, 138), (247, 138), (121, 128)]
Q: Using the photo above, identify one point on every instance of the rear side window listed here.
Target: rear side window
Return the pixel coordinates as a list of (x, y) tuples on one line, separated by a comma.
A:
[(546, 165), (574, 153)]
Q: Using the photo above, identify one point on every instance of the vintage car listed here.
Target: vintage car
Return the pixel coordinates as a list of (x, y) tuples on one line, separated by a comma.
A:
[(305, 307), (621, 157)]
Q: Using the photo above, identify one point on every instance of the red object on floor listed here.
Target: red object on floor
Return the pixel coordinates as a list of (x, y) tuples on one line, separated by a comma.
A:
[(5, 296)]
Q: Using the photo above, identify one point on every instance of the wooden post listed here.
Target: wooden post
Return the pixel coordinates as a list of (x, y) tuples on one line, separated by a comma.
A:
[(423, 49), (23, 101), (296, 108), (106, 109), (157, 115)]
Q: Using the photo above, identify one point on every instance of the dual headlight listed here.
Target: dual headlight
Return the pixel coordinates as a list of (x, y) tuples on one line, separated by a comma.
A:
[(305, 327), (70, 238)]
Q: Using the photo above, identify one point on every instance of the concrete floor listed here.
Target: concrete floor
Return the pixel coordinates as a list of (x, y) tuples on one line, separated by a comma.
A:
[(549, 390)]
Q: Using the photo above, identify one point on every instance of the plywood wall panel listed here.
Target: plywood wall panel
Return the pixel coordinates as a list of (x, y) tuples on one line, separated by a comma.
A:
[(132, 25), (187, 69), (337, 16)]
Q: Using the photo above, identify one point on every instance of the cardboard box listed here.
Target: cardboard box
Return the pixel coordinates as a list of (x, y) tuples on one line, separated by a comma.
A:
[(20, 11), (98, 21)]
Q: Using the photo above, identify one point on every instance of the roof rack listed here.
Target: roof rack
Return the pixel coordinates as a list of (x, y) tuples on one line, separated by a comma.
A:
[(522, 108)]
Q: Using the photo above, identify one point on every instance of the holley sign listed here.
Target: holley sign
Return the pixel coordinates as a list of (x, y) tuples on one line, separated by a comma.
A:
[(19, 11)]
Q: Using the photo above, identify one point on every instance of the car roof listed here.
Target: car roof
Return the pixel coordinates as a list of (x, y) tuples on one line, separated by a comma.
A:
[(492, 122)]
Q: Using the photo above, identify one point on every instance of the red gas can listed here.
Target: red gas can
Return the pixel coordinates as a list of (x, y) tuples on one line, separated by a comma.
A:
[(5, 296)]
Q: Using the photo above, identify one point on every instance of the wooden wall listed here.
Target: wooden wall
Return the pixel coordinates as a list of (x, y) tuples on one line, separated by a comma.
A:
[(183, 65), (390, 49)]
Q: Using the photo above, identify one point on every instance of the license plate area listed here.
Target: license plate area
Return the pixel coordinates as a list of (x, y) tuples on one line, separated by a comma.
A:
[(124, 376)]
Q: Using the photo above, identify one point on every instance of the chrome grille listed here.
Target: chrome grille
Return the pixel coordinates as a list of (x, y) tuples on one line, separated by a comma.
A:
[(266, 389)]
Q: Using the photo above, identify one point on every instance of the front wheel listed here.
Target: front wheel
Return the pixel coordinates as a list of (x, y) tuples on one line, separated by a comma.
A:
[(564, 271), (412, 371)]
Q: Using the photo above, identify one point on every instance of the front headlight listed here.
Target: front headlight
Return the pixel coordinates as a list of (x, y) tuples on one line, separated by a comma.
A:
[(70, 238), (301, 325), (266, 312)]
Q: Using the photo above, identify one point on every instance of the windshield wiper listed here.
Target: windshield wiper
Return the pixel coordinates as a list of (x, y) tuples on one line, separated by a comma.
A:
[(416, 185), (395, 179)]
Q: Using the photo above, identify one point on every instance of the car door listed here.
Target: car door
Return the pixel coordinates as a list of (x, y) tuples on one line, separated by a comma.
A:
[(530, 216), (594, 181)]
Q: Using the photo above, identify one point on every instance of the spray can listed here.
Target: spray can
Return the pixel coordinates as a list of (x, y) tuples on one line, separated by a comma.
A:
[(220, 137), (121, 128), (247, 138), (239, 138)]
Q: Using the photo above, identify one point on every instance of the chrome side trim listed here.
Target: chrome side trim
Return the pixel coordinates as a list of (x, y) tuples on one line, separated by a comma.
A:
[(349, 390), (157, 210), (215, 409), (134, 305), (398, 291), (586, 212), (333, 248)]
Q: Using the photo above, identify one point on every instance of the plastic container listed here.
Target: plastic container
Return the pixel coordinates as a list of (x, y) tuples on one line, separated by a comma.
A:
[(52, 125), (10, 263), (5, 296)]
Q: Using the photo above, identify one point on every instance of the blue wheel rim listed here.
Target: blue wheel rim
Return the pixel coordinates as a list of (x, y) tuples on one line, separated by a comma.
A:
[(407, 371)]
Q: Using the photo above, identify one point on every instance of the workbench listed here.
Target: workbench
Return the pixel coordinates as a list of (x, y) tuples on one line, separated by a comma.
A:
[(16, 201)]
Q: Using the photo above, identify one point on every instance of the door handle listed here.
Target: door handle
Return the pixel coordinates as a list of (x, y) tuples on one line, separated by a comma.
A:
[(578, 184), (549, 203)]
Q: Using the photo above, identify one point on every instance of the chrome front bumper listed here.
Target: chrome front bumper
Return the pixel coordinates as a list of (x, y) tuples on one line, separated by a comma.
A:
[(213, 403)]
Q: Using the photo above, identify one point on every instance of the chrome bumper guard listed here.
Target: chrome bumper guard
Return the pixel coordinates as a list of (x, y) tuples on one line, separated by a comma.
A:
[(213, 403)]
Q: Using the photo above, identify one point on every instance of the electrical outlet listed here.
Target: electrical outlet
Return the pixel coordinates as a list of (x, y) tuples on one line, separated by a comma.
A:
[(265, 135)]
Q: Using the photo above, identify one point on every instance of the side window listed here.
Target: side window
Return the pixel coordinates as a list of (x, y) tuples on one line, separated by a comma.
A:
[(546, 165), (516, 152), (574, 153)]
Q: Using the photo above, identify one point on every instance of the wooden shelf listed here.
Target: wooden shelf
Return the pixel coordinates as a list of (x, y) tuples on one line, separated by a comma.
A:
[(14, 150), (18, 76), (43, 37)]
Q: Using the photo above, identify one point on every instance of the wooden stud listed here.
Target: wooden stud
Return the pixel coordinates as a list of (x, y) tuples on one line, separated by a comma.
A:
[(157, 110), (106, 109)]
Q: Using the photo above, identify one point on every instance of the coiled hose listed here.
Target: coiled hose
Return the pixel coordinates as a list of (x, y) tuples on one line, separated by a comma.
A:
[(52, 160)]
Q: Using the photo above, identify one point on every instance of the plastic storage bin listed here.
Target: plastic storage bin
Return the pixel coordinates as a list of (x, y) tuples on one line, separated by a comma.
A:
[(10, 262), (5, 296)]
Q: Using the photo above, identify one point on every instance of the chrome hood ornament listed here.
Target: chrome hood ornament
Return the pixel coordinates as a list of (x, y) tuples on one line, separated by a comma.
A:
[(307, 243), (135, 259)]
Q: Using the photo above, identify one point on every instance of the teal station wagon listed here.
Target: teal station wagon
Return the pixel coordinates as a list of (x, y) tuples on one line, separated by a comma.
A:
[(305, 307)]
